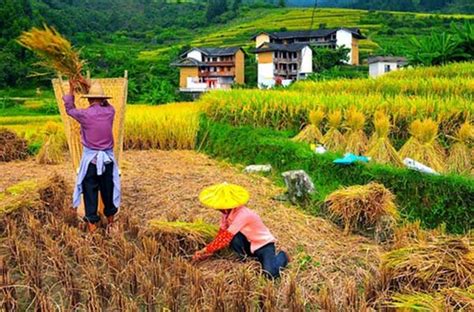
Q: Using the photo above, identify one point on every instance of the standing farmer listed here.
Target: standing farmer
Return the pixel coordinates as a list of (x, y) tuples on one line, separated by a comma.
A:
[(98, 170), (241, 229)]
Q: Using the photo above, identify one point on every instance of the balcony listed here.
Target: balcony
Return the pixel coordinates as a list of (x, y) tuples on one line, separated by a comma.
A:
[(221, 63), (286, 60), (217, 74)]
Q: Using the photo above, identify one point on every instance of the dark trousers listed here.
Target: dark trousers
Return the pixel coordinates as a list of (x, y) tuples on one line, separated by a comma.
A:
[(271, 262), (91, 185)]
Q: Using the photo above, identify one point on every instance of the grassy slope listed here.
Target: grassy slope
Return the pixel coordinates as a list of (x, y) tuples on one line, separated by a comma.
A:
[(240, 30)]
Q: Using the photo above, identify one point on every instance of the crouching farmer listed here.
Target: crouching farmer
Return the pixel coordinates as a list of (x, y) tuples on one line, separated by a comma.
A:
[(98, 170), (241, 229)]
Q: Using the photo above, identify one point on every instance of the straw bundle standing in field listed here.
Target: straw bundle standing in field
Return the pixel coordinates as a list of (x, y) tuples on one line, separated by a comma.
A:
[(422, 146), (362, 206), (432, 266), (56, 54), (55, 141), (380, 148), (311, 133), (356, 140), (461, 156), (333, 139)]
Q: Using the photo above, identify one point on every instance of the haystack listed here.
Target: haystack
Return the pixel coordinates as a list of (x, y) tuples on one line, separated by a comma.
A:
[(55, 142), (311, 134), (362, 206), (12, 147), (356, 140), (422, 146), (333, 140), (429, 266), (380, 148), (460, 158)]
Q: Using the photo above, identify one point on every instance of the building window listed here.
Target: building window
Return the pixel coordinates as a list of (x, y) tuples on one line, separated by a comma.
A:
[(387, 68)]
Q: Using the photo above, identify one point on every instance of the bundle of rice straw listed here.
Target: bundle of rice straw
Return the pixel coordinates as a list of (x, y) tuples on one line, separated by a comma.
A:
[(197, 228), (356, 140), (311, 133), (451, 299), (429, 266), (51, 152), (461, 157), (333, 140), (380, 148), (56, 53), (422, 146), (362, 206)]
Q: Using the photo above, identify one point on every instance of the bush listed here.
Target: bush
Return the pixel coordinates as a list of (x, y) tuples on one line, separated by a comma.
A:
[(432, 199)]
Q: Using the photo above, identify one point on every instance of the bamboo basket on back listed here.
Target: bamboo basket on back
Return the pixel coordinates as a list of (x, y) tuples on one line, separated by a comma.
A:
[(114, 87)]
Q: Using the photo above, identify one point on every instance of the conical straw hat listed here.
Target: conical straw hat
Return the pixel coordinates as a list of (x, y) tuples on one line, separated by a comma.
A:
[(96, 92), (224, 196)]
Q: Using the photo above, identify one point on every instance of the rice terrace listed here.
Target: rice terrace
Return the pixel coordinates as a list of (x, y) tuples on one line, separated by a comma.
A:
[(228, 155)]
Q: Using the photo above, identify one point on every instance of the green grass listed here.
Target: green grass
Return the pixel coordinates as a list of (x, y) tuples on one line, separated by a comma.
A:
[(432, 199)]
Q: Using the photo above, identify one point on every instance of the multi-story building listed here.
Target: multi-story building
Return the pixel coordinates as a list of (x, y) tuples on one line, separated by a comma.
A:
[(288, 55), (203, 69)]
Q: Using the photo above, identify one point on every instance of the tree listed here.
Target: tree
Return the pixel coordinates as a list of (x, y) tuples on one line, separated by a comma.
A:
[(438, 49), (325, 58), (236, 5), (281, 3), (215, 8)]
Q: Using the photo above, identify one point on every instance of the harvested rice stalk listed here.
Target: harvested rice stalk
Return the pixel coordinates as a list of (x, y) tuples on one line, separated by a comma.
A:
[(333, 139), (362, 206), (56, 54), (52, 150), (422, 146), (460, 158), (197, 228), (311, 133), (23, 194), (380, 148), (429, 266), (451, 299), (12, 147), (356, 140)]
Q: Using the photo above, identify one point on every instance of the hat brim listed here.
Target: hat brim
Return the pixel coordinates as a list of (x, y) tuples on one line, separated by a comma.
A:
[(92, 96), (232, 198)]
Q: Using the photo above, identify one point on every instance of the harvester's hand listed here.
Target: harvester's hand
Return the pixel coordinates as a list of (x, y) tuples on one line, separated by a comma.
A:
[(201, 255), (72, 85)]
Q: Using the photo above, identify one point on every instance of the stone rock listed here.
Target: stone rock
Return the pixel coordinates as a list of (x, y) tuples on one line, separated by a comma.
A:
[(258, 168), (299, 186)]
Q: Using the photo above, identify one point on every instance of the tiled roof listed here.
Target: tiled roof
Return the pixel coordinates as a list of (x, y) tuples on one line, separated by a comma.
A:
[(323, 32), (188, 62), (390, 59), (215, 51), (269, 47)]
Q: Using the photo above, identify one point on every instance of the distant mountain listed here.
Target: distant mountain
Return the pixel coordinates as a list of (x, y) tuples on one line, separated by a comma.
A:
[(323, 3)]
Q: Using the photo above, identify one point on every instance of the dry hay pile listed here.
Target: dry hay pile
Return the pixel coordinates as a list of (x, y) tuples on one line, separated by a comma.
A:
[(52, 151), (12, 147), (311, 133), (145, 268), (362, 206), (422, 146), (380, 148), (135, 270), (431, 275), (430, 266), (461, 154)]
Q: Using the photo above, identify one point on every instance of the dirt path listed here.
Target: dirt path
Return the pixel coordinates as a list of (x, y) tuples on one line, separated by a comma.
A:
[(165, 185)]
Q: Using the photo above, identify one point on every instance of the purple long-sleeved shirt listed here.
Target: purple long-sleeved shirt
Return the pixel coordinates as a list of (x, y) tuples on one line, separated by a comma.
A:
[(96, 123)]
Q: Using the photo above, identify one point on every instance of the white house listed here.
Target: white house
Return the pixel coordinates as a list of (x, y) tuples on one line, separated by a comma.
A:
[(379, 65), (280, 64)]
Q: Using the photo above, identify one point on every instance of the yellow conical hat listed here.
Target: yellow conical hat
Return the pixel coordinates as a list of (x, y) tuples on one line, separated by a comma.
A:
[(224, 196)]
